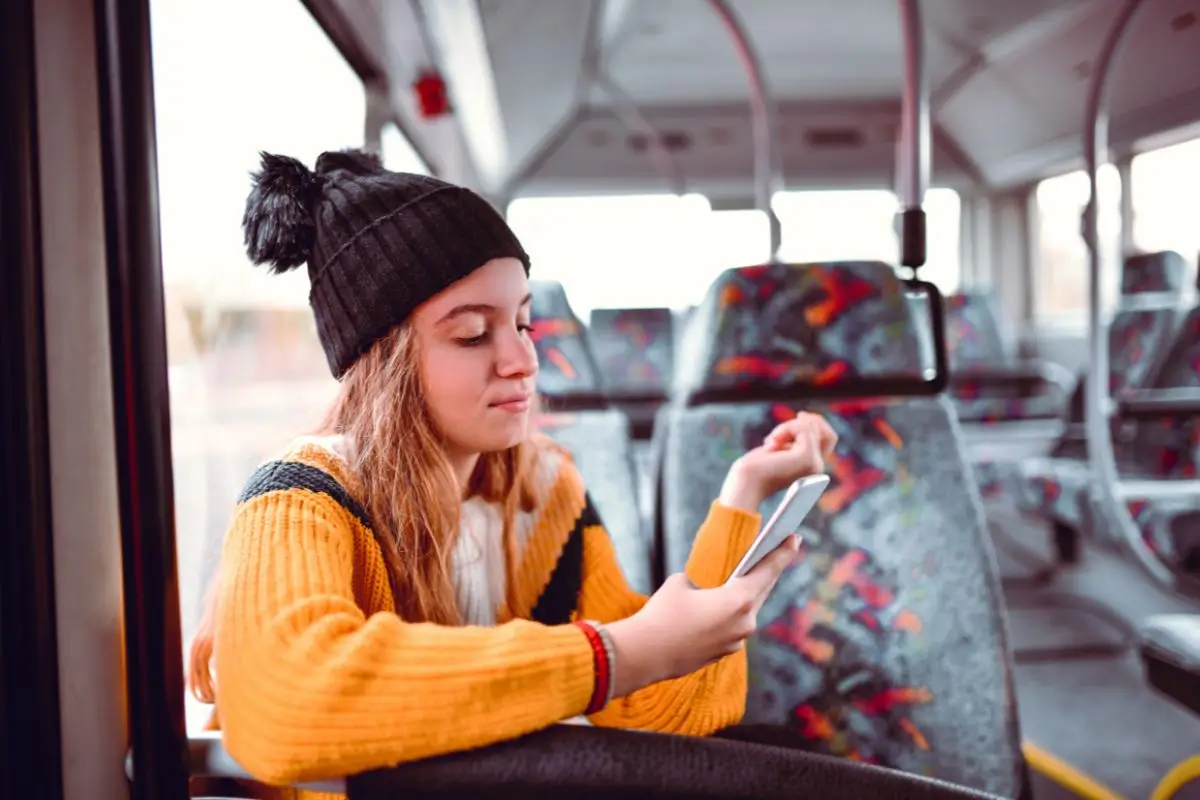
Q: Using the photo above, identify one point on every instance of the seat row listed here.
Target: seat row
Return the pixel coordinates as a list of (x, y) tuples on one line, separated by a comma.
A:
[(1154, 379)]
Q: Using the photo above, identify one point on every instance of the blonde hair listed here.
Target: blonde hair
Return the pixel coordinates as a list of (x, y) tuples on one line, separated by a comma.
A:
[(408, 487)]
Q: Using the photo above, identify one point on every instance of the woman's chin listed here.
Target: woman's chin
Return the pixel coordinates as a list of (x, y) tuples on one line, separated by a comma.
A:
[(503, 435)]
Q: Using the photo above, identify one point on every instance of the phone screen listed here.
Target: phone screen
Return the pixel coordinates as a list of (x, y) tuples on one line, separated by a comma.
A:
[(799, 500)]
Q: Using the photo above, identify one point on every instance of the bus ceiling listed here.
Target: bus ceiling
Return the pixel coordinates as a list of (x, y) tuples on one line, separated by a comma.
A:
[(526, 114)]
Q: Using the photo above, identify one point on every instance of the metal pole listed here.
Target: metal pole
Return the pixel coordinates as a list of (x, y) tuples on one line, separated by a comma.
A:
[(624, 107), (913, 163), (768, 177), (632, 118), (1100, 451)]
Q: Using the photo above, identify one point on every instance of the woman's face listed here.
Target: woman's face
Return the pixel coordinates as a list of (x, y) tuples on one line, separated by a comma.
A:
[(478, 365)]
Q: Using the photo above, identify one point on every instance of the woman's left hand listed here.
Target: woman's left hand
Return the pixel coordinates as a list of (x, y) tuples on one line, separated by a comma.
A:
[(792, 450)]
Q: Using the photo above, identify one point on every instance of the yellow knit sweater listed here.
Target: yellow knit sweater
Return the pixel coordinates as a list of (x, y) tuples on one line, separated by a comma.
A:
[(319, 678)]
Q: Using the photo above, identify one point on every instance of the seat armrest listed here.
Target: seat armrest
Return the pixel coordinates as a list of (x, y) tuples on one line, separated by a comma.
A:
[(1026, 376), (1055, 373), (1154, 403), (1170, 650), (586, 763)]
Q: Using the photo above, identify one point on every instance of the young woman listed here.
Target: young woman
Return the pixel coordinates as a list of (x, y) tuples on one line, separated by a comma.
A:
[(425, 575)]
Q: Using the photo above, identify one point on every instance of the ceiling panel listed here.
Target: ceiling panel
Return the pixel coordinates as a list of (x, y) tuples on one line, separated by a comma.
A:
[(716, 152), (970, 26), (677, 51), (536, 49), (1042, 89), (1012, 75)]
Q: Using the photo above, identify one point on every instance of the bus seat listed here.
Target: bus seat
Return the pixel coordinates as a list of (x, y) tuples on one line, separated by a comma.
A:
[(1056, 486), (1170, 650), (577, 416), (1148, 314), (986, 384), (635, 350), (1159, 464), (863, 646)]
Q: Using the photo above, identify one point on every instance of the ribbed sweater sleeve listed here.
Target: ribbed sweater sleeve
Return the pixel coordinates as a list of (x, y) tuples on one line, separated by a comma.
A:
[(313, 688)]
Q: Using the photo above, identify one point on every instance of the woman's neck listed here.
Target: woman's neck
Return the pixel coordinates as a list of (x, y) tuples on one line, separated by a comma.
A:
[(464, 467)]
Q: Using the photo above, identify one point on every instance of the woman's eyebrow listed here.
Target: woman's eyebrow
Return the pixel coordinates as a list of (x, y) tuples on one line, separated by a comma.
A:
[(477, 308), (467, 308)]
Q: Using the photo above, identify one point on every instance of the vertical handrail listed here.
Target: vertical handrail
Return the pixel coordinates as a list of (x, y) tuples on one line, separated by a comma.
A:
[(141, 402), (912, 168), (914, 145), (768, 178), (1100, 450)]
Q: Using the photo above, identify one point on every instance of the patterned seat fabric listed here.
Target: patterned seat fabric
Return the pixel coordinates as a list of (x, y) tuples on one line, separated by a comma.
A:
[(567, 368), (864, 645), (635, 349), (596, 436), (974, 344), (1166, 449), (1057, 487)]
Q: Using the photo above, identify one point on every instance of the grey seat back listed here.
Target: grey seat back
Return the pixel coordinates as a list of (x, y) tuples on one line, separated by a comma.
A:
[(1170, 447), (887, 643), (635, 349), (978, 352), (1147, 315), (973, 331), (578, 417), (1139, 334)]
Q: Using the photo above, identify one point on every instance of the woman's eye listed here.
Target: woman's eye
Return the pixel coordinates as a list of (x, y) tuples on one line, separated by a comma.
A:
[(472, 341), (525, 328)]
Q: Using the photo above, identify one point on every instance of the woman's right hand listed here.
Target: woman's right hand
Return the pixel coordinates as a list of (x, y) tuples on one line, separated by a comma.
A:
[(682, 628)]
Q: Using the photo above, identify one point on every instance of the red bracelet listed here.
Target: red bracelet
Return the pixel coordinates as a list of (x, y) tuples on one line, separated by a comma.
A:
[(601, 691)]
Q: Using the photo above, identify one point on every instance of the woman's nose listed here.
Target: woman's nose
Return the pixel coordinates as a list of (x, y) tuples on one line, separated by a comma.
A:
[(517, 357)]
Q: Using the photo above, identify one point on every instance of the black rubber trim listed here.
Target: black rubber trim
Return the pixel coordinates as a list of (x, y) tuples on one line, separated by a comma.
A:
[(30, 733), (141, 402)]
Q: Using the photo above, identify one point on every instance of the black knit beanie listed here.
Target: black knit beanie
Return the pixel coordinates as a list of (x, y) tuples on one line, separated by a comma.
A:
[(377, 243)]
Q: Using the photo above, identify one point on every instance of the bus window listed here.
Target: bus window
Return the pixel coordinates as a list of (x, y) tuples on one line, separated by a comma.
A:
[(736, 238), (861, 224), (615, 252), (1060, 268), (246, 370), (1166, 206), (398, 154), (619, 251)]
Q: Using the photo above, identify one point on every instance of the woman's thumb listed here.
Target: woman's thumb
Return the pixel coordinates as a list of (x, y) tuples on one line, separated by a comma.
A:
[(678, 581)]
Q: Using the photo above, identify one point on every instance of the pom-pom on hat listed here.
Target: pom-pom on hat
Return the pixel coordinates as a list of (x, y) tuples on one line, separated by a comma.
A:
[(377, 243)]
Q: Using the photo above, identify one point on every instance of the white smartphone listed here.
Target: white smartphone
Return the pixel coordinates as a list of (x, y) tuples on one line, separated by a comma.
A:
[(800, 498)]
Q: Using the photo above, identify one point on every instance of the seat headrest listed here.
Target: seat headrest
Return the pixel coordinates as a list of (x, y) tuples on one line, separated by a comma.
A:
[(972, 336), (842, 326), (634, 347), (632, 319), (1152, 273), (566, 366)]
